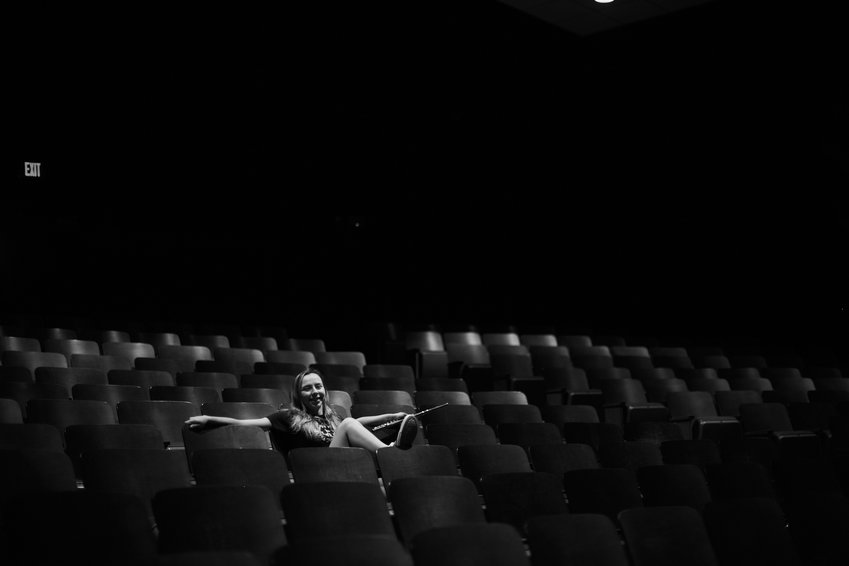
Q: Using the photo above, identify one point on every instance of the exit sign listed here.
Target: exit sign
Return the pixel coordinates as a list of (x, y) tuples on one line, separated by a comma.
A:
[(32, 169)]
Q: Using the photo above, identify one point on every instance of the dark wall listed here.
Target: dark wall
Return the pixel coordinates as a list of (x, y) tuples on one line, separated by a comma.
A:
[(424, 161)]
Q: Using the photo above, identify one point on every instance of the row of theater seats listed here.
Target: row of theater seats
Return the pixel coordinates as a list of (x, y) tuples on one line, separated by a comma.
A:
[(779, 384), (29, 337), (456, 423), (348, 371), (694, 412), (661, 535), (482, 368), (427, 337), (124, 355), (617, 392), (467, 346), (632, 353), (254, 499), (569, 465), (618, 396), (617, 400)]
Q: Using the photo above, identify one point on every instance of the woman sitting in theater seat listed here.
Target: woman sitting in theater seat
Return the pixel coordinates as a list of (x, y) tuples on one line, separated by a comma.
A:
[(311, 421)]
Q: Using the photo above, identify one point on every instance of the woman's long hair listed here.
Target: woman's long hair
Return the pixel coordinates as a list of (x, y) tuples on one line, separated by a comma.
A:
[(302, 420)]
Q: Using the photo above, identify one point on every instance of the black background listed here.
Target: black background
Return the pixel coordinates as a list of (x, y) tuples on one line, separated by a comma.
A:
[(429, 161)]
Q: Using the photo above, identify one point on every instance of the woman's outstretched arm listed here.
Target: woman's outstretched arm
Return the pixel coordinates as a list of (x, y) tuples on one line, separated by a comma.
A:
[(201, 421)]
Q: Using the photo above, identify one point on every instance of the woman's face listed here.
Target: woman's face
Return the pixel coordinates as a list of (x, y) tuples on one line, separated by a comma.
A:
[(312, 393)]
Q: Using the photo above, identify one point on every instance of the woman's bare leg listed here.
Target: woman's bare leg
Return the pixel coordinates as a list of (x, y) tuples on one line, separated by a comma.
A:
[(352, 433)]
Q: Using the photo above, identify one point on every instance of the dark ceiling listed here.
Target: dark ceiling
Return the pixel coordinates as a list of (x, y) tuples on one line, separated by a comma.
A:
[(635, 89), (588, 17)]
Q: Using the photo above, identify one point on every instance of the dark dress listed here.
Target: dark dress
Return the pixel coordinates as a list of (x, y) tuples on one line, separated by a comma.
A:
[(283, 438)]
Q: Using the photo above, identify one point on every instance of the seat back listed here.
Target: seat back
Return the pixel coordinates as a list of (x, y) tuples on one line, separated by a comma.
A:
[(261, 343), (453, 414), (10, 411), (405, 383), (666, 536), (216, 380), (728, 402), (427, 399), (219, 517), (313, 509), (111, 393), (538, 339), (302, 357), (129, 350), (78, 527), (347, 550), (170, 365), (585, 538), (30, 471), (135, 471), (487, 544), (561, 414), (19, 344), (62, 413), (35, 436), (607, 491), (100, 362), (702, 452), (425, 340), (84, 438), (68, 377), (528, 434), (544, 358), (750, 527), (268, 396), (158, 338), (314, 345), (674, 484), (515, 497), (422, 503), (479, 460), (238, 409), (184, 356), (389, 370), (211, 341), (470, 354), (455, 435), (142, 378), (762, 418), (351, 371), (70, 346), (241, 360), (382, 396), (441, 384), (332, 464), (194, 394), (167, 416), (499, 397), (227, 436), (33, 360), (495, 414), (241, 466), (419, 460), (353, 358), (730, 480), (558, 459), (685, 404)]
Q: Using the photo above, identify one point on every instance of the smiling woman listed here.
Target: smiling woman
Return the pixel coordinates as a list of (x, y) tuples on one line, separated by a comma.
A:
[(311, 421)]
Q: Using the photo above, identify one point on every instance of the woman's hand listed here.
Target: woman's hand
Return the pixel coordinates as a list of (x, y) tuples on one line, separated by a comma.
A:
[(397, 416), (198, 421)]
